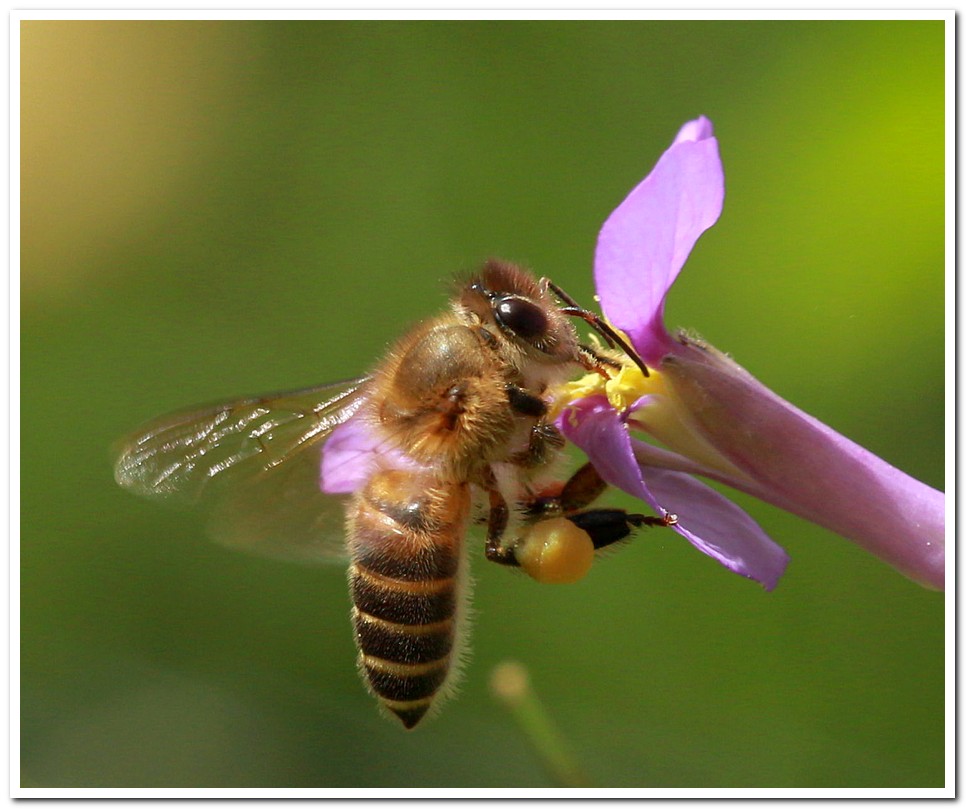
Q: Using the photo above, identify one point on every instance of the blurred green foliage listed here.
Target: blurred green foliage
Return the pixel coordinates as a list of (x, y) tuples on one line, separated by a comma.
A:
[(211, 208)]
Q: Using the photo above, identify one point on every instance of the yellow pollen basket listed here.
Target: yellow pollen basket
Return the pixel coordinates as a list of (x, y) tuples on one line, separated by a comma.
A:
[(555, 551)]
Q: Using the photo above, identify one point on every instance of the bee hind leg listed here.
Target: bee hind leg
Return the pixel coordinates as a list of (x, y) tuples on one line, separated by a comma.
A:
[(604, 525), (561, 499), (582, 488)]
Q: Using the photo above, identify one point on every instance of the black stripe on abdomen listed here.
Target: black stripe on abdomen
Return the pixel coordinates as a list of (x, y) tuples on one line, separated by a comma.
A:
[(401, 602), (402, 643), (405, 682)]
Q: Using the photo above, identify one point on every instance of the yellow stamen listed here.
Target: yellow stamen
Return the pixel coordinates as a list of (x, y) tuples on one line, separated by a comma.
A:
[(663, 418), (622, 389), (630, 384)]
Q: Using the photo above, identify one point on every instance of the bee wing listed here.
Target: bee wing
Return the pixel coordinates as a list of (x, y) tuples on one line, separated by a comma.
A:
[(282, 512), (254, 463)]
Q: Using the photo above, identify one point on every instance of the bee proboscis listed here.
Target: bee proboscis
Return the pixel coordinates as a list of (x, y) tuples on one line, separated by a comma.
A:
[(464, 398)]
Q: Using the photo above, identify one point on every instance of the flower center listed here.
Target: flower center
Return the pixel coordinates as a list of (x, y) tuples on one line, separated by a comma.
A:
[(622, 389), (647, 404)]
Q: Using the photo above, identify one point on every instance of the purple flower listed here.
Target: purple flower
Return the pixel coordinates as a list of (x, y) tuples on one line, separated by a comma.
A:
[(353, 453), (712, 417)]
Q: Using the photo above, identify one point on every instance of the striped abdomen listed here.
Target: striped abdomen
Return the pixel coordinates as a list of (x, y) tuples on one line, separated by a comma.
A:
[(405, 535)]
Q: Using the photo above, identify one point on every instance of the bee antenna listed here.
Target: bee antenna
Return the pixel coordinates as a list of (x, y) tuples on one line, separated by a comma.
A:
[(598, 324)]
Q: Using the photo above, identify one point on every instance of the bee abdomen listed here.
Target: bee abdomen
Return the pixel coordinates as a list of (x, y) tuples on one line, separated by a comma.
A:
[(405, 632), (401, 643), (404, 536), (402, 602), (405, 682)]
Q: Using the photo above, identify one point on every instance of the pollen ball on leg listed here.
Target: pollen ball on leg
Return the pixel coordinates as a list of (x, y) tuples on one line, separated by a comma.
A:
[(555, 551)]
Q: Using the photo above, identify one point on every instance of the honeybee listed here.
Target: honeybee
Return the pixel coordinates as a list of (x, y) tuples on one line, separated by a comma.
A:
[(456, 414)]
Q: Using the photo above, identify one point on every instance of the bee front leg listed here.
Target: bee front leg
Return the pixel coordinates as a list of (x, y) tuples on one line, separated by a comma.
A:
[(596, 363), (544, 444), (545, 439), (525, 403)]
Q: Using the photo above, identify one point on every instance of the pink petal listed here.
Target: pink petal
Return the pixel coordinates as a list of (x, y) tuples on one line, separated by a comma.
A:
[(698, 129), (347, 458), (708, 520), (716, 526), (805, 467), (646, 240), (594, 426), (352, 453)]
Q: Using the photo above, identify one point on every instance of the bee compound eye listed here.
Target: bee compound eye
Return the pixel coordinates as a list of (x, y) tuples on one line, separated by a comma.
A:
[(520, 316), (555, 551)]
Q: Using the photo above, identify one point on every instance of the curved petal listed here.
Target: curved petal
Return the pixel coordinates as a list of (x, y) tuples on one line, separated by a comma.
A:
[(716, 526), (594, 426), (348, 457), (646, 240), (803, 466), (698, 129), (351, 454)]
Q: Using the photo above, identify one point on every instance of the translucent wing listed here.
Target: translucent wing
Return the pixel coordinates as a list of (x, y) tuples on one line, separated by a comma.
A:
[(254, 463)]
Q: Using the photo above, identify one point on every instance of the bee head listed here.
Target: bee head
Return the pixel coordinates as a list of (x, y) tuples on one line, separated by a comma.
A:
[(512, 303)]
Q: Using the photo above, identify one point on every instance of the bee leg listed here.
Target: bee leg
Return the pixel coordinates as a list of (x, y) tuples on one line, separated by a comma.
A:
[(564, 498), (545, 439), (496, 524), (596, 363), (582, 488), (609, 525), (524, 403), (604, 525), (544, 444)]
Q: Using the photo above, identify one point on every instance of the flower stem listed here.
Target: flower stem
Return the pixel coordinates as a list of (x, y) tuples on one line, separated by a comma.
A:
[(510, 684)]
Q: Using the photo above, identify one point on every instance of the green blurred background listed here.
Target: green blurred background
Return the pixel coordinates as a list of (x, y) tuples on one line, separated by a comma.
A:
[(212, 208)]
